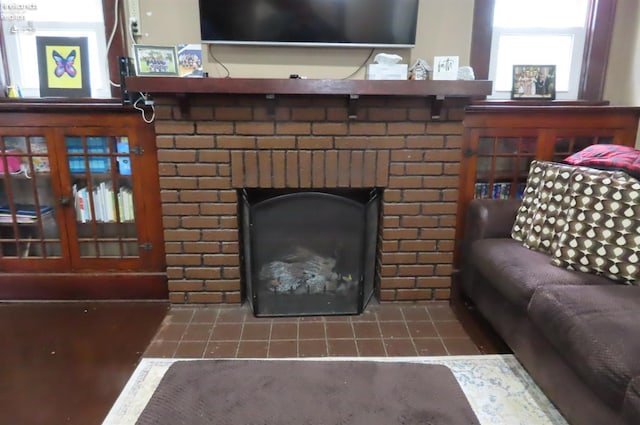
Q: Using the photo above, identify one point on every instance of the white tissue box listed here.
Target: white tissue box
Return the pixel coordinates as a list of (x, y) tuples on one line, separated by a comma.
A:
[(377, 71)]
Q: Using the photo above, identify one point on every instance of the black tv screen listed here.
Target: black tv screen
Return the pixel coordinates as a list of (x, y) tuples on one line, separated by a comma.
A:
[(354, 23)]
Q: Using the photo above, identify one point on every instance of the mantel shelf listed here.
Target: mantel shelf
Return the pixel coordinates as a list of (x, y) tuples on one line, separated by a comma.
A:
[(273, 86)]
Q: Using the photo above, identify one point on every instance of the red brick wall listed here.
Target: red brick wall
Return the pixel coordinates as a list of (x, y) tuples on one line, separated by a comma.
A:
[(210, 146)]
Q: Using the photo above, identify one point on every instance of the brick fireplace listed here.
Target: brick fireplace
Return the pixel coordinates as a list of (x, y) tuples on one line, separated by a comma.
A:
[(210, 146)]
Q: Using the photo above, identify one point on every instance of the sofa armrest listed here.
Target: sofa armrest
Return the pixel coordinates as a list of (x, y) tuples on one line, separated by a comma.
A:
[(486, 218), (490, 218)]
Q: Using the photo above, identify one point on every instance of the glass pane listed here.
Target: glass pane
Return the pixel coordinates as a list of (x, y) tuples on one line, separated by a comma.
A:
[(528, 146), (505, 167), (486, 146), (27, 202), (604, 140), (531, 50), (100, 167), (483, 167), (53, 19), (508, 145), (525, 14)]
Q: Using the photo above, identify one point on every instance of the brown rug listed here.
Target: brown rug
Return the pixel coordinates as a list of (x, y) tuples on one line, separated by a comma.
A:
[(293, 392)]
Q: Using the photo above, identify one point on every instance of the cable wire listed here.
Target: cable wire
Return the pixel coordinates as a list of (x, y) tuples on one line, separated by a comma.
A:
[(143, 97), (361, 66), (212, 56)]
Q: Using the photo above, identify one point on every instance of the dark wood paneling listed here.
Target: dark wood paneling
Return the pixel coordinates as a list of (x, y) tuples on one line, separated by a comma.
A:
[(83, 286)]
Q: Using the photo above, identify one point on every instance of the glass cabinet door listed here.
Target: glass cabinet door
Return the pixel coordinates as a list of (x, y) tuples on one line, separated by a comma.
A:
[(28, 225), (102, 192), (502, 165)]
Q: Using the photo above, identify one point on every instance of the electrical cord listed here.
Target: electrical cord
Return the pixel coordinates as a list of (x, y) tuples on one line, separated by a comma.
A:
[(361, 66), (212, 56), (143, 97)]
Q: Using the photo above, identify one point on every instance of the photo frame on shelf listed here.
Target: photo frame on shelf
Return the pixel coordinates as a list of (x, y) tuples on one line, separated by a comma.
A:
[(190, 60), (533, 82), (155, 60), (63, 66)]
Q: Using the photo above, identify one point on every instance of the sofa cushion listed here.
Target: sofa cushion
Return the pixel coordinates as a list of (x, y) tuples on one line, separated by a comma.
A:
[(602, 235), (530, 200), (517, 271), (595, 329)]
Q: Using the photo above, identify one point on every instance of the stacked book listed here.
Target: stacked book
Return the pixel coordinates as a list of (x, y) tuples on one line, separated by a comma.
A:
[(24, 213), (108, 205)]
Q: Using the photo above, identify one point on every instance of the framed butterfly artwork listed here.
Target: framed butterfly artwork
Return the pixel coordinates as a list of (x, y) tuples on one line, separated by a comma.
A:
[(63, 66)]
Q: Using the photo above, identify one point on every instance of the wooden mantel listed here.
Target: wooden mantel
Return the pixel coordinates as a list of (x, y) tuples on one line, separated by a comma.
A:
[(275, 86)]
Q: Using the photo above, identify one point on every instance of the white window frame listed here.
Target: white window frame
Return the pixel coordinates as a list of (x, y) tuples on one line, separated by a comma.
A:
[(578, 35), (22, 47), (48, 18)]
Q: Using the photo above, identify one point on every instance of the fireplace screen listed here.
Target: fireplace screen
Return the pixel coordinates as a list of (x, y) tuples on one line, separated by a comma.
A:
[(309, 252)]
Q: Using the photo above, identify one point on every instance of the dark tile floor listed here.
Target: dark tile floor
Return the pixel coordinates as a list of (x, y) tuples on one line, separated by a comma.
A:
[(392, 329)]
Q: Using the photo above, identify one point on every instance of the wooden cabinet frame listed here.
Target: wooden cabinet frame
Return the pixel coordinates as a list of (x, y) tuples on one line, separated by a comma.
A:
[(547, 126), (72, 273)]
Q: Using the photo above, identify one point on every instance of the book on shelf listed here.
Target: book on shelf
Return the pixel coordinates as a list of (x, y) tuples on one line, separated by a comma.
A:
[(108, 206), (24, 213), (497, 190), (26, 210)]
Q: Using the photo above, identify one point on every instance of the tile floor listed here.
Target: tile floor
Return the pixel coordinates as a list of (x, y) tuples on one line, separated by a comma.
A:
[(390, 329)]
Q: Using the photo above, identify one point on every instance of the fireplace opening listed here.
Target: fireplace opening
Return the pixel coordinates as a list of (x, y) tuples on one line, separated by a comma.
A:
[(309, 252)]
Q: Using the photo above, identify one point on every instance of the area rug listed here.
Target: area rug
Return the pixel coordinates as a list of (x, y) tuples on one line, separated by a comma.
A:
[(498, 389), (288, 392)]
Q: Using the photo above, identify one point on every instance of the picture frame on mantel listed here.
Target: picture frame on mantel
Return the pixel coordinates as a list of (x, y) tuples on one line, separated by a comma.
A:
[(63, 66), (156, 60), (533, 82)]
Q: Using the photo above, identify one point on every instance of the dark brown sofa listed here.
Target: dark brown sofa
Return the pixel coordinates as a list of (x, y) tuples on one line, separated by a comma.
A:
[(577, 334)]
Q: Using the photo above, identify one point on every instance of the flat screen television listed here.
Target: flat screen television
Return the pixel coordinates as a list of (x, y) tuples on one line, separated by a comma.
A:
[(349, 23)]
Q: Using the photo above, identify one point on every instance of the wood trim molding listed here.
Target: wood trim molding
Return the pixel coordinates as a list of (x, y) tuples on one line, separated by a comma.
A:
[(597, 45), (481, 34)]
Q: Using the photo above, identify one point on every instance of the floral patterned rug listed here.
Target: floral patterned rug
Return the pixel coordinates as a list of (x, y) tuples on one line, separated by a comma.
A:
[(499, 390)]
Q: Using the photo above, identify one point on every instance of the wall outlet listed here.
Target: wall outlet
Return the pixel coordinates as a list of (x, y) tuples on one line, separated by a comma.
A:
[(133, 16)]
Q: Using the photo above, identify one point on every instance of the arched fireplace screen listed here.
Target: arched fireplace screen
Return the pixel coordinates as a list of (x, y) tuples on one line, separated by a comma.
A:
[(309, 252)]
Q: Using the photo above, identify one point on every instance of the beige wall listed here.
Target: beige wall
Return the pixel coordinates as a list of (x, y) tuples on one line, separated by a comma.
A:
[(444, 28)]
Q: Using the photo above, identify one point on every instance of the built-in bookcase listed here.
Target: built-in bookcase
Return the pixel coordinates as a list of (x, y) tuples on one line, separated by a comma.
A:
[(79, 199), (501, 141)]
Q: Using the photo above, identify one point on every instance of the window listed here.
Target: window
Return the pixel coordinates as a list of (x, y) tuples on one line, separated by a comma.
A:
[(573, 34), (544, 32), (22, 22)]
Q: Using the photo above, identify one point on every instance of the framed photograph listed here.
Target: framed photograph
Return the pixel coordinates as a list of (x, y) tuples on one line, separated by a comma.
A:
[(63, 66), (534, 82), (190, 60), (155, 60)]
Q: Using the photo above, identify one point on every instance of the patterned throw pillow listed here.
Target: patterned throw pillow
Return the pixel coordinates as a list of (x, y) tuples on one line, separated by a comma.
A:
[(530, 200), (549, 215), (602, 234)]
